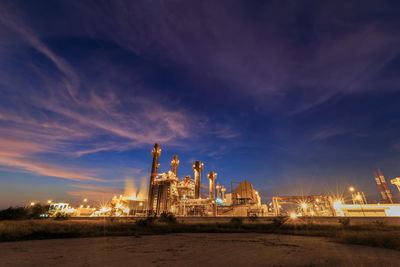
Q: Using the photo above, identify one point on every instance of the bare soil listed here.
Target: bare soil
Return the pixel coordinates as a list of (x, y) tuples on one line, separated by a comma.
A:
[(205, 249)]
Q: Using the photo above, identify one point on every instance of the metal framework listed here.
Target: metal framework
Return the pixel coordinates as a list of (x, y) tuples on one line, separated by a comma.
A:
[(310, 205), (167, 193)]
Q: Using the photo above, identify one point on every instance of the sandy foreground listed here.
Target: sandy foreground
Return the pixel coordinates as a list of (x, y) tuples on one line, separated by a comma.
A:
[(247, 249)]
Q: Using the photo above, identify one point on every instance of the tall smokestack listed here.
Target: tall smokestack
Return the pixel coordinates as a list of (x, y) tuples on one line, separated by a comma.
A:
[(218, 187), (211, 182), (175, 164), (197, 169), (156, 152), (223, 189)]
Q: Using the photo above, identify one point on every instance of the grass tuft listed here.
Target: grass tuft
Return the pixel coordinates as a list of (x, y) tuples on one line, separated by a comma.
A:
[(374, 234)]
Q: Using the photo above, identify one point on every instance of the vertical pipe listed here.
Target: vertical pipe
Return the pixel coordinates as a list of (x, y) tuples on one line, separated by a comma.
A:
[(364, 198), (275, 204), (197, 168), (175, 164), (160, 195), (218, 187), (330, 202), (211, 182), (156, 152)]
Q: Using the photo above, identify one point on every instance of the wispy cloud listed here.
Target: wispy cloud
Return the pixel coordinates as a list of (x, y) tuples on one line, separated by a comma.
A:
[(62, 118), (219, 43), (70, 79), (327, 132), (19, 154)]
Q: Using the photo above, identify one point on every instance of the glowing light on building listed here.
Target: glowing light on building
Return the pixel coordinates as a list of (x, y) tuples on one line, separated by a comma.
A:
[(337, 204)]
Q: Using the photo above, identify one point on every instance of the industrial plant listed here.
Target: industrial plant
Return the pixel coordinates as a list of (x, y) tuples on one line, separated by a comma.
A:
[(182, 196)]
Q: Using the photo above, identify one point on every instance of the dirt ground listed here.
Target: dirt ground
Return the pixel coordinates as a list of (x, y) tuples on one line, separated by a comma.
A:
[(194, 250)]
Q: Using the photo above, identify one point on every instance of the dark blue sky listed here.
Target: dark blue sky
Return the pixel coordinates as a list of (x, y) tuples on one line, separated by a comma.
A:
[(298, 97)]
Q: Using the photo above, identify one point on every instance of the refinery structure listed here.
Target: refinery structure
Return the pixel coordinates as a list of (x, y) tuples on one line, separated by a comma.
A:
[(182, 196)]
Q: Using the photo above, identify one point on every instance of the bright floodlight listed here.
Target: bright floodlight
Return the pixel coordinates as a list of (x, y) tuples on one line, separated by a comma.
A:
[(293, 215), (358, 197), (351, 189), (304, 205), (337, 204)]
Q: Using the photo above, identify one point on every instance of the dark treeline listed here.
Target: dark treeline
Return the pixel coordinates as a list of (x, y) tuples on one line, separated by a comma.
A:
[(23, 213)]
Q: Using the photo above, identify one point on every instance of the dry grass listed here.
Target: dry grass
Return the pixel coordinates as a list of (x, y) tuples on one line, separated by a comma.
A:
[(371, 234)]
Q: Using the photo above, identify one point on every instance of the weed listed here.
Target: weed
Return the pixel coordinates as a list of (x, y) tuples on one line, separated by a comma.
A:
[(167, 218), (253, 217), (379, 223), (236, 221), (279, 221), (18, 213), (61, 216), (365, 234), (23, 213), (146, 222), (345, 222)]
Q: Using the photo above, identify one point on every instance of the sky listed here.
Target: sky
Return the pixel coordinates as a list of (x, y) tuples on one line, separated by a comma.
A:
[(297, 97)]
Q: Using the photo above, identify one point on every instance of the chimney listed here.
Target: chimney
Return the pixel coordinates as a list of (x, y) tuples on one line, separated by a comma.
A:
[(197, 169)]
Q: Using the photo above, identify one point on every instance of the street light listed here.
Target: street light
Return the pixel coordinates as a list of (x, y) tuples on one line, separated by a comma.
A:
[(353, 197), (85, 200), (32, 203)]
